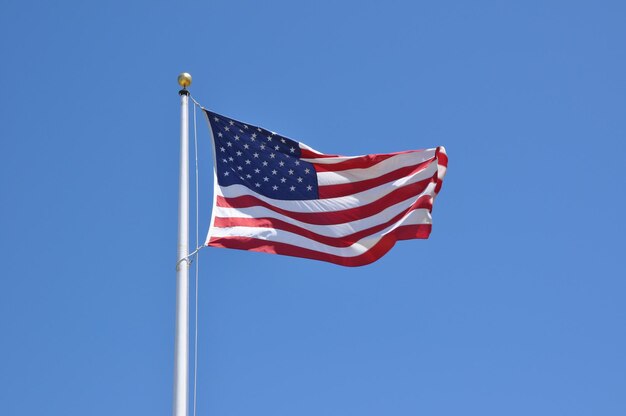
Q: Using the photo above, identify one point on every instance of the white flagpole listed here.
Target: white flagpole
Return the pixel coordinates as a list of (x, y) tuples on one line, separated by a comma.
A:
[(181, 345)]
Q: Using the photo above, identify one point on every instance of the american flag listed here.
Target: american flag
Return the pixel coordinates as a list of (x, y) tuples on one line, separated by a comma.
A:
[(276, 195)]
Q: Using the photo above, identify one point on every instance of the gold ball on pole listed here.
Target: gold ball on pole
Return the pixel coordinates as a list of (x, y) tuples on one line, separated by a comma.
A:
[(184, 79)]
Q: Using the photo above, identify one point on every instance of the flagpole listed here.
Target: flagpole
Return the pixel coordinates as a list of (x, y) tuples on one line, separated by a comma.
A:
[(181, 344)]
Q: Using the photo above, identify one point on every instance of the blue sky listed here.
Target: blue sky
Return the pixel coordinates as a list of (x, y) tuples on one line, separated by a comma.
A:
[(514, 306)]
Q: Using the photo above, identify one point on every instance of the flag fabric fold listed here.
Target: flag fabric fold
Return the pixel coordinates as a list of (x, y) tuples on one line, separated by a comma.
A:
[(276, 195)]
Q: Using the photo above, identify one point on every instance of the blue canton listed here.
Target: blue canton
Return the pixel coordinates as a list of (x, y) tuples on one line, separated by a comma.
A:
[(265, 162)]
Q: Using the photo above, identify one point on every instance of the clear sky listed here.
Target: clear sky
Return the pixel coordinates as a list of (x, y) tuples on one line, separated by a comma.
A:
[(514, 306)]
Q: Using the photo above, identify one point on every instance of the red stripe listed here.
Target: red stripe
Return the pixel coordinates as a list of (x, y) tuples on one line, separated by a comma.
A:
[(442, 158), (424, 201), (359, 162), (438, 186), (404, 232), (312, 154), (344, 189), (333, 217)]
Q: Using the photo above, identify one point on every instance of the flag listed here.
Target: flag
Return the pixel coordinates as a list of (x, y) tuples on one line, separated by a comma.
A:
[(276, 195)]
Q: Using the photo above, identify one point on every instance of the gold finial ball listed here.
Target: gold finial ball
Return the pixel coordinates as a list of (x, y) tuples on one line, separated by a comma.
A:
[(184, 79)]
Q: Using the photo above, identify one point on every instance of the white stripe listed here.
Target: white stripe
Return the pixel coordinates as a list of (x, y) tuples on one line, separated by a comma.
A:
[(328, 160), (441, 171), (334, 204), (381, 168), (273, 235)]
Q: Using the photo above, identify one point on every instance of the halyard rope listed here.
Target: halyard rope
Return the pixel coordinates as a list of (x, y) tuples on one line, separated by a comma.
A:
[(195, 340), (194, 110), (189, 258)]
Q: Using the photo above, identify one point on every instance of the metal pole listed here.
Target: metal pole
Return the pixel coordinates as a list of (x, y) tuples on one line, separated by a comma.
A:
[(181, 345)]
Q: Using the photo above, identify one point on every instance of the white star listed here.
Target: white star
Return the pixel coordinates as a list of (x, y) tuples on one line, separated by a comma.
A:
[(231, 158), (266, 179), (253, 136), (262, 147), (272, 155), (255, 154), (225, 160), (257, 185), (231, 122), (297, 162), (226, 128), (248, 176), (281, 163), (269, 138), (245, 126), (257, 170), (220, 134), (216, 119), (264, 163), (258, 129), (292, 188), (292, 150), (248, 161), (239, 168), (274, 172), (275, 187), (236, 137), (238, 152), (229, 144), (283, 180), (226, 173), (307, 170), (283, 140), (276, 147), (223, 149), (299, 179), (245, 146), (291, 171), (309, 188)]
